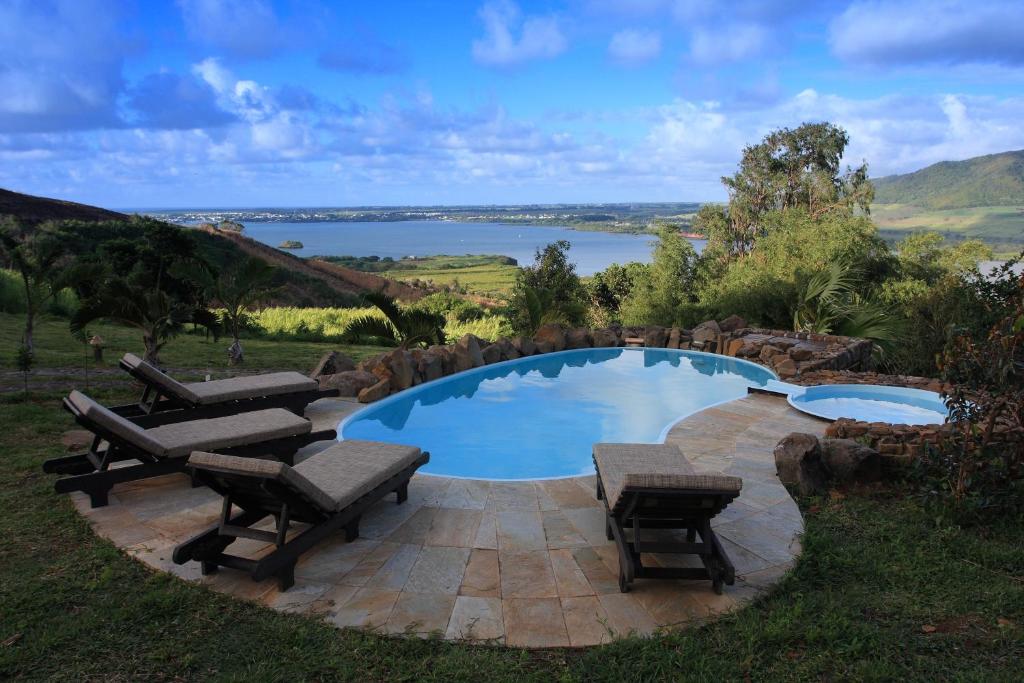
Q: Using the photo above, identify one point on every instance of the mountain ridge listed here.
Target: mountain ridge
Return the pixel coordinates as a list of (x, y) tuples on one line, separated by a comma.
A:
[(983, 181)]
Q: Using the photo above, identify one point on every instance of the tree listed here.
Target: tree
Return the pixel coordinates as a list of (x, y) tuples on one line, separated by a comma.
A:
[(789, 168), (400, 327), (235, 288), (659, 298), (43, 266), (551, 283), (610, 287)]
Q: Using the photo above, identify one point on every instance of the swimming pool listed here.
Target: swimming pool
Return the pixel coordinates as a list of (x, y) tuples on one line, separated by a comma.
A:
[(871, 403), (537, 417)]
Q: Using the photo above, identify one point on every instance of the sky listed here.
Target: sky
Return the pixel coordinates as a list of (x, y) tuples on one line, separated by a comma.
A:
[(257, 103)]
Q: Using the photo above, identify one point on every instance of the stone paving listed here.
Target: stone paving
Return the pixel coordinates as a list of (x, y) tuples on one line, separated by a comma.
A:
[(524, 564)]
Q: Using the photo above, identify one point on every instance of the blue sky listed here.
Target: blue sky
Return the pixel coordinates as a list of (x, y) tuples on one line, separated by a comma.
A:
[(226, 103)]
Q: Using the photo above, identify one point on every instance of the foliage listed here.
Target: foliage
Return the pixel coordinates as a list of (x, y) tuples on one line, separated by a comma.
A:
[(992, 180), (788, 169), (976, 469), (548, 291), (399, 327), (661, 297)]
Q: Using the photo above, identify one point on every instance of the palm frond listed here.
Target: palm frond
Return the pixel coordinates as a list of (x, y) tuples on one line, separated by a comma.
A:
[(387, 304), (370, 327)]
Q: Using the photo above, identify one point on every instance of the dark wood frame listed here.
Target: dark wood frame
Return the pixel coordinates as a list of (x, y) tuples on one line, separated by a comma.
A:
[(156, 407), (655, 508), (259, 496), (90, 472)]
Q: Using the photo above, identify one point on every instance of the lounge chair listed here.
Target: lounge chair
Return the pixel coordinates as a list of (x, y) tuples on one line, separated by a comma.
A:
[(166, 400), (165, 449), (328, 491), (653, 486)]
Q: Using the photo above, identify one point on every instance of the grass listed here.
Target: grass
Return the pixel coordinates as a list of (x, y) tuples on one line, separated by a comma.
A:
[(882, 592), (485, 275), (1000, 226)]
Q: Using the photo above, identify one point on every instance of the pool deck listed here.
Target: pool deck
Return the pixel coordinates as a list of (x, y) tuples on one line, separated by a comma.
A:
[(518, 563)]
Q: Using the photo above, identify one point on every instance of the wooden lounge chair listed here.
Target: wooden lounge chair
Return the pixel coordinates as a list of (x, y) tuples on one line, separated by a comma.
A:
[(161, 450), (653, 486), (166, 400), (328, 491)]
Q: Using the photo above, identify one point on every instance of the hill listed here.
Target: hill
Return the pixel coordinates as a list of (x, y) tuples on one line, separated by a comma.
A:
[(32, 209), (987, 181)]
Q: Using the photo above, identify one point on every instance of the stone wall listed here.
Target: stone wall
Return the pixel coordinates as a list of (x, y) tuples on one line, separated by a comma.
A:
[(788, 353), (909, 440), (815, 377)]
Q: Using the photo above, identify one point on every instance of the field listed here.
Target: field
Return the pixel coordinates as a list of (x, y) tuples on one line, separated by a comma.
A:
[(1002, 227), (490, 276)]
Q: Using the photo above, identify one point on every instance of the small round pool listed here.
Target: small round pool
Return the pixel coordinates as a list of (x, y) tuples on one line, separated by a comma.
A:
[(870, 403), (538, 417)]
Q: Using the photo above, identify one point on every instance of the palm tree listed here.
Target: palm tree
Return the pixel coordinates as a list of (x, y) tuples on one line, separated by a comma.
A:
[(400, 327), (236, 288)]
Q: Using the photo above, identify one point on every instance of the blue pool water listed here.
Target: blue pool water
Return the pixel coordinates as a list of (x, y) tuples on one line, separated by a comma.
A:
[(895, 405), (538, 417)]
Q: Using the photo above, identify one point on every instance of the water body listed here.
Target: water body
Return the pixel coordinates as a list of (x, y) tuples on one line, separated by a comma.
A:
[(591, 251)]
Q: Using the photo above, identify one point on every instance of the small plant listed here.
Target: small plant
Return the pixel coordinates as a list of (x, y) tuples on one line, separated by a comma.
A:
[(24, 359)]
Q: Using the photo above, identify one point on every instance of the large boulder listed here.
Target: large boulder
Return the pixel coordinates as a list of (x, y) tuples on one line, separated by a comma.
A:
[(798, 463), (673, 338), (545, 347), (800, 353), (430, 366), (524, 345), (707, 331), (491, 354), (604, 338), (578, 338), (348, 383), (655, 337), (368, 364), (508, 351), (552, 334), (849, 461), (399, 367), (332, 363), (784, 366), (447, 357), (467, 353), (768, 352), (375, 392), (732, 323)]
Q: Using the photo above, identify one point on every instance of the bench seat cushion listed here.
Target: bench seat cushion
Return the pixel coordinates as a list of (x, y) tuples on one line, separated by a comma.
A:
[(623, 466), (250, 386), (181, 438), (264, 469), (352, 468)]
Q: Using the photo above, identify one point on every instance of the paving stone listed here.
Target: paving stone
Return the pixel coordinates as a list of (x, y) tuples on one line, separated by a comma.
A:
[(454, 527), (370, 564), (468, 494), (367, 608), (487, 532), (416, 528), (559, 532), (299, 597), (520, 530), (438, 569), (482, 577), (534, 622), (569, 578), (586, 622), (593, 567), (626, 616), (668, 602), (476, 618), (526, 575), (513, 496), (420, 614), (332, 559), (590, 522), (568, 494), (395, 572)]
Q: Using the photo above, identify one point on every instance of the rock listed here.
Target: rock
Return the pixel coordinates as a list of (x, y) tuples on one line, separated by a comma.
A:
[(545, 347), (397, 367), (76, 439), (734, 346), (706, 332), (553, 334), (655, 337), (768, 352), (800, 353), (604, 338), (732, 323), (375, 392), (348, 383), (578, 338), (786, 368), (430, 366), (849, 461), (508, 350), (491, 354), (331, 363), (747, 350), (783, 344), (798, 463), (673, 338), (447, 358), (524, 345), (368, 364), (467, 353)]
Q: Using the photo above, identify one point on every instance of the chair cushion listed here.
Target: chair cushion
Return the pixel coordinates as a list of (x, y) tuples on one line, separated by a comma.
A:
[(353, 468), (111, 422), (250, 386), (181, 438), (267, 469), (622, 466), (161, 380)]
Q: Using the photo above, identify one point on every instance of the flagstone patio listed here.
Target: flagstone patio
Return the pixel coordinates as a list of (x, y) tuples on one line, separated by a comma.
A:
[(525, 564)]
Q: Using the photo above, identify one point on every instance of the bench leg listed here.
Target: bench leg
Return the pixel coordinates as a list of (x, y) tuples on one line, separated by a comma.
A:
[(402, 492), (352, 530)]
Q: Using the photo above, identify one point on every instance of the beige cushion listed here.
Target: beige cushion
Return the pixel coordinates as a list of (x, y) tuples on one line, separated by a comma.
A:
[(351, 469), (624, 465), (251, 386), (115, 424), (268, 469), (243, 429), (164, 382)]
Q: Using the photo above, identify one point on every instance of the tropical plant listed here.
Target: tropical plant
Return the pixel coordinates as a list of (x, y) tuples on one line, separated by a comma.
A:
[(399, 327), (662, 296), (235, 288), (829, 303), (549, 289), (24, 360)]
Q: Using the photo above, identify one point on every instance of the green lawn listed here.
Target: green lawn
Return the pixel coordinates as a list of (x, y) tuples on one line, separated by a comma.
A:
[(478, 274), (1000, 226)]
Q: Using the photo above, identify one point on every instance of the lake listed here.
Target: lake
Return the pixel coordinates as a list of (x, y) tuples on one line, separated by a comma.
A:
[(591, 251)]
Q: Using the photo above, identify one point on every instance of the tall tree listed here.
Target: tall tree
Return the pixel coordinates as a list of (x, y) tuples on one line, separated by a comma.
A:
[(551, 284), (659, 298)]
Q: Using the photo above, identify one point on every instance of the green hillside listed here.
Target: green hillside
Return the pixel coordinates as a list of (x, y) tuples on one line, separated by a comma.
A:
[(988, 181)]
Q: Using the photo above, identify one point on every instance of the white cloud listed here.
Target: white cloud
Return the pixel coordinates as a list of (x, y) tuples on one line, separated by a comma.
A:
[(731, 43), (922, 31), (539, 37), (633, 46), (243, 28)]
